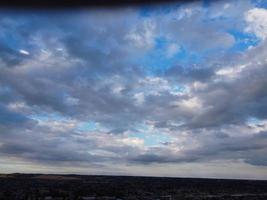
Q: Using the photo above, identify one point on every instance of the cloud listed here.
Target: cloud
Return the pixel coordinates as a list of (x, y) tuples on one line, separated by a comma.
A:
[(24, 52), (172, 50), (123, 88), (143, 36), (257, 22)]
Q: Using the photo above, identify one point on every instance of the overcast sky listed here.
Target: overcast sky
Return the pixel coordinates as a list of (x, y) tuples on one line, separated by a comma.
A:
[(166, 90)]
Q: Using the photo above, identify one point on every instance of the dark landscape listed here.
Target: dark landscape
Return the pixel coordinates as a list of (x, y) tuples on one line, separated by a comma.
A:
[(70, 187)]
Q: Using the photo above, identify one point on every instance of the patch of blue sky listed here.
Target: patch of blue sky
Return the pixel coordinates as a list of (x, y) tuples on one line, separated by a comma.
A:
[(7, 117), (187, 57), (81, 126), (260, 3), (179, 89), (87, 126), (149, 139), (14, 42), (253, 120), (48, 117), (160, 42), (183, 54), (12, 118), (149, 136), (243, 40), (157, 61)]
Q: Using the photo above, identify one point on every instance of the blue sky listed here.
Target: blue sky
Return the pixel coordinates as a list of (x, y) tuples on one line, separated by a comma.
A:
[(177, 89)]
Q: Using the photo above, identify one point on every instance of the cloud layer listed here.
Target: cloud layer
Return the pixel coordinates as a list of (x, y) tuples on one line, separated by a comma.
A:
[(123, 90)]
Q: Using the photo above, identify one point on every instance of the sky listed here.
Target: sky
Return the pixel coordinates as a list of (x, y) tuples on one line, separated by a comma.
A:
[(175, 89)]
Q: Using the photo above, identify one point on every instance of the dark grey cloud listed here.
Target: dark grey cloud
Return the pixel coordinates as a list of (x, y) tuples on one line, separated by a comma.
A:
[(251, 149), (233, 101), (183, 74)]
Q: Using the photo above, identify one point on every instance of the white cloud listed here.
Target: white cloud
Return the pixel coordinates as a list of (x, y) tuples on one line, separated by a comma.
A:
[(192, 103), (257, 22), (231, 72), (198, 85), (117, 89), (143, 35), (154, 85), (71, 101), (172, 50), (140, 98), (24, 52), (16, 106), (132, 141)]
